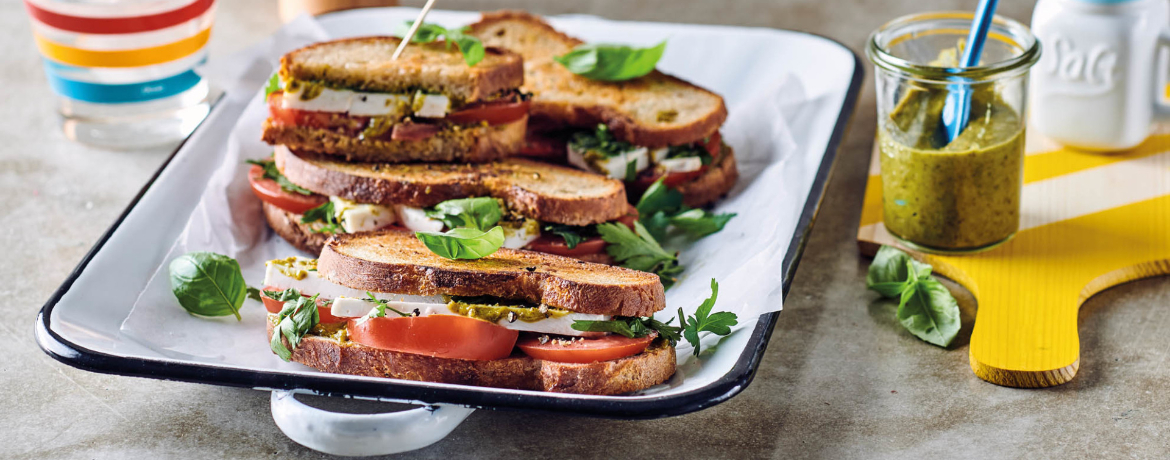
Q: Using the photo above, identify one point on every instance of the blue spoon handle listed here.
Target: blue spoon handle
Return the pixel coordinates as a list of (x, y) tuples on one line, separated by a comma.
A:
[(958, 105)]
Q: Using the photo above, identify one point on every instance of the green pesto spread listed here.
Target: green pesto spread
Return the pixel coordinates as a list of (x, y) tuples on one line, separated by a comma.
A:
[(294, 267), (496, 313), (960, 196)]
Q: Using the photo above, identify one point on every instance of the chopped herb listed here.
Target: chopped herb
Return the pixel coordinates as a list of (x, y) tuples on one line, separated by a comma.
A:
[(270, 172), (601, 141), (294, 322), (381, 307)]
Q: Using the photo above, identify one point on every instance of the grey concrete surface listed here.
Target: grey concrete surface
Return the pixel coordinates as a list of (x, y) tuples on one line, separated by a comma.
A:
[(840, 378)]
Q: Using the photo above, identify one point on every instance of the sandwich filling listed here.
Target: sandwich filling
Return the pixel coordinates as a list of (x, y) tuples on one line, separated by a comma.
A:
[(334, 214), (600, 152), (407, 116), (481, 328)]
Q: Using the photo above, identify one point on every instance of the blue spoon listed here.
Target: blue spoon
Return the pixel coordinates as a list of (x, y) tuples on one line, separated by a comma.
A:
[(958, 106)]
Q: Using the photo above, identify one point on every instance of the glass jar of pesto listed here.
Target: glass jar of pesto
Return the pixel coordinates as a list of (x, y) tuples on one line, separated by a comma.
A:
[(951, 196)]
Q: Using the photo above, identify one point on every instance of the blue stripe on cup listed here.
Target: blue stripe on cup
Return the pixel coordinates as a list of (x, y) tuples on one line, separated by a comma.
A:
[(103, 93)]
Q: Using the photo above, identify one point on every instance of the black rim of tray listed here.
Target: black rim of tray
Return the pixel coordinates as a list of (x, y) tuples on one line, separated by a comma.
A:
[(721, 390)]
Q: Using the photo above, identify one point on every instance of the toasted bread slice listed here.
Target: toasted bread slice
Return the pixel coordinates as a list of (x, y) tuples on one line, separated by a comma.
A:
[(397, 262), (633, 373), (364, 64), (714, 184), (656, 110), (288, 226), (544, 192), (453, 143)]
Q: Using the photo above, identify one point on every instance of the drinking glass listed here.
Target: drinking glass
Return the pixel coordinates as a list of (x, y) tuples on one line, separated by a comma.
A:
[(123, 69)]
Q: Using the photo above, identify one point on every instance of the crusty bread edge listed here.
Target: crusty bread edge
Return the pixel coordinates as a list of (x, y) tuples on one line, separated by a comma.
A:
[(478, 180), (622, 127), (537, 286), (490, 143), (288, 226), (500, 78), (651, 367), (714, 184)]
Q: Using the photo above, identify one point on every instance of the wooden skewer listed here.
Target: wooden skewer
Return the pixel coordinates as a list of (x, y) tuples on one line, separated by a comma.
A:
[(413, 28)]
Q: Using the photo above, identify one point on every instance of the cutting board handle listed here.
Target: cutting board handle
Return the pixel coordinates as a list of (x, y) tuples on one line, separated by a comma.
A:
[(352, 435)]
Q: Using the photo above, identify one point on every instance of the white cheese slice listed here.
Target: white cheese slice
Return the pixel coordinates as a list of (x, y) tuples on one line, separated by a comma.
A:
[(518, 236), (353, 303), (614, 166), (681, 165), (431, 105), (378, 104), (329, 100), (416, 219), (360, 217)]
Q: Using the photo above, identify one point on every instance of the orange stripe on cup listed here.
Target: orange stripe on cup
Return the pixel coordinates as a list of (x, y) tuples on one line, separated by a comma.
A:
[(122, 58)]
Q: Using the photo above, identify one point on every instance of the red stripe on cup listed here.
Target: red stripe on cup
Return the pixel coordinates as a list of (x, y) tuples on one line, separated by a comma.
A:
[(118, 25)]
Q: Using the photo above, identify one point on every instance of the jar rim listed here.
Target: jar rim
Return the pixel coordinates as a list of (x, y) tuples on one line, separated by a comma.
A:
[(1018, 34)]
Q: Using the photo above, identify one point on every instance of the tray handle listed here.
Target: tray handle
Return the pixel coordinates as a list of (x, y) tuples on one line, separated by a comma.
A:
[(363, 434)]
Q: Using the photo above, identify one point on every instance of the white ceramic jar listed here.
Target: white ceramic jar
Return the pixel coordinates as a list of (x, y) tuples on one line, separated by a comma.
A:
[(1099, 83)]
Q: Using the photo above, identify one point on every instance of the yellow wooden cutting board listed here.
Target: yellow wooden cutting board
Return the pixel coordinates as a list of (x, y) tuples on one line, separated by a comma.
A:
[(1088, 222)]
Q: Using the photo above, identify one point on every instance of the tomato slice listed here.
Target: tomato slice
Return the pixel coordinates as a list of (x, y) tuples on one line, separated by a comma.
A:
[(580, 350), (442, 336), (494, 113), (270, 192), (555, 244), (324, 311)]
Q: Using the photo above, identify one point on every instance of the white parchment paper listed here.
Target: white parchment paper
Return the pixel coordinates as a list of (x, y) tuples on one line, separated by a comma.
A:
[(745, 257)]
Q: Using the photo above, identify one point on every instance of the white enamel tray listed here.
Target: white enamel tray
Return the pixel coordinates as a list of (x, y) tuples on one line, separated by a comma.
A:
[(80, 324)]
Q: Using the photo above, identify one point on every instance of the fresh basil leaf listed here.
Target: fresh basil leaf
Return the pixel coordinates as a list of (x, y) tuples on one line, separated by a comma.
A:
[(890, 266), (293, 323), (327, 214), (693, 149), (606, 62), (599, 140), (615, 326), (925, 307), (273, 86), (698, 223), (471, 47), (208, 284), (929, 312), (283, 296), (631, 170), (479, 213), (271, 172), (463, 243), (638, 250), (572, 235), (705, 321)]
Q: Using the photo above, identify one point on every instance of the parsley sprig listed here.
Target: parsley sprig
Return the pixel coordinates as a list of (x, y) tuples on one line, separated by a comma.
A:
[(925, 307), (638, 250), (270, 172), (274, 85), (294, 321), (471, 47), (702, 321)]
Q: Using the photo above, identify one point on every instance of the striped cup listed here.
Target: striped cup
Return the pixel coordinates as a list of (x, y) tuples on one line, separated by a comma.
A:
[(123, 68)]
